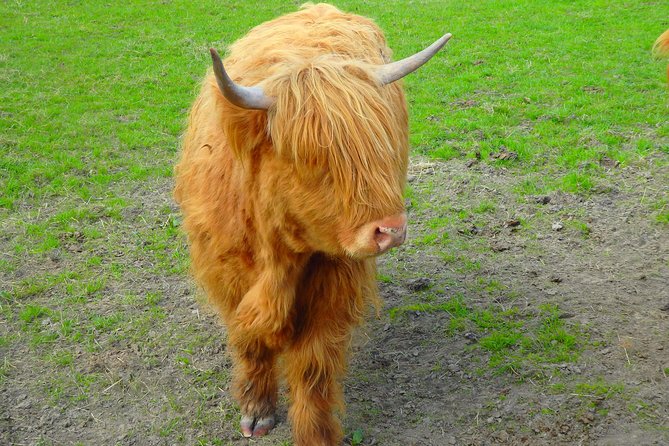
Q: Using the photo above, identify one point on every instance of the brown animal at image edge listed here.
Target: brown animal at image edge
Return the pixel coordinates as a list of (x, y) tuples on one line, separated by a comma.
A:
[(291, 182), (661, 47)]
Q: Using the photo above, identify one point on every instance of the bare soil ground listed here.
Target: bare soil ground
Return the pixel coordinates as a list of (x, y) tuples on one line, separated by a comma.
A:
[(158, 374)]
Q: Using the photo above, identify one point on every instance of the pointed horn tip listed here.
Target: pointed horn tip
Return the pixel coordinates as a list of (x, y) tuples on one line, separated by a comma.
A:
[(445, 38)]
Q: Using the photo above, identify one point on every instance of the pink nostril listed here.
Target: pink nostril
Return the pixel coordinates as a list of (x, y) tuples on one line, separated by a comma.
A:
[(387, 237), (390, 231), (377, 237)]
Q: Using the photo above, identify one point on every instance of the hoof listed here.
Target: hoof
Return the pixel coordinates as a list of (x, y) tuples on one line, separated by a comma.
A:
[(256, 426)]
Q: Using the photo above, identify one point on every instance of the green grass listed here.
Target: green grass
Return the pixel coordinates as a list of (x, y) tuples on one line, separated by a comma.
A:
[(32, 312), (357, 437), (563, 101), (600, 388), (661, 210)]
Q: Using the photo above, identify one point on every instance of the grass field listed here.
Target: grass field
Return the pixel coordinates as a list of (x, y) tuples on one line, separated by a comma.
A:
[(102, 342)]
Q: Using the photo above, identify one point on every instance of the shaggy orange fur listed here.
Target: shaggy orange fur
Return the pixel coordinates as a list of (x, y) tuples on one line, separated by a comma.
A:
[(271, 200), (661, 47)]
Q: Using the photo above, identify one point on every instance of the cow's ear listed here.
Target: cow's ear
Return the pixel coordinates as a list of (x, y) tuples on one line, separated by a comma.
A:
[(252, 98), (389, 73)]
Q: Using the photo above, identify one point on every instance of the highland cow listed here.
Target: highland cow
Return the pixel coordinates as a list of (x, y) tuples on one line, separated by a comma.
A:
[(291, 182)]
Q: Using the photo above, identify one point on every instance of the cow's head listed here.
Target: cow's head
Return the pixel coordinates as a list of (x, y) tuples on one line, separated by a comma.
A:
[(339, 131)]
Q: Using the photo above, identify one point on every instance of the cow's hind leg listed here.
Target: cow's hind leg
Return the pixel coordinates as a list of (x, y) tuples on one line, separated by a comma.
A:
[(255, 385)]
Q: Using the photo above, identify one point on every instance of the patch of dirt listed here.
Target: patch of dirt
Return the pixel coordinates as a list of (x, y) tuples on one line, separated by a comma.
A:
[(160, 376)]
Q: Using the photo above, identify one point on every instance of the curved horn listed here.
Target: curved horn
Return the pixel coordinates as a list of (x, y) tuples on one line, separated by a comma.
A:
[(391, 72), (244, 97)]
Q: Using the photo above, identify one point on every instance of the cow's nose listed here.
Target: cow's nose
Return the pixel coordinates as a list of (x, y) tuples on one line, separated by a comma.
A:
[(390, 232)]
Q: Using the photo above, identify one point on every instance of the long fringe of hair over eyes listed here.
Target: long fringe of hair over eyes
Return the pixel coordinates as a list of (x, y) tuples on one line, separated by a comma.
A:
[(331, 114)]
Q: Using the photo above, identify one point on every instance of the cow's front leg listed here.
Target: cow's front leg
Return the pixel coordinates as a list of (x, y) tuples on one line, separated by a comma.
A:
[(265, 313), (255, 380), (260, 329), (255, 385), (331, 300), (315, 366)]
